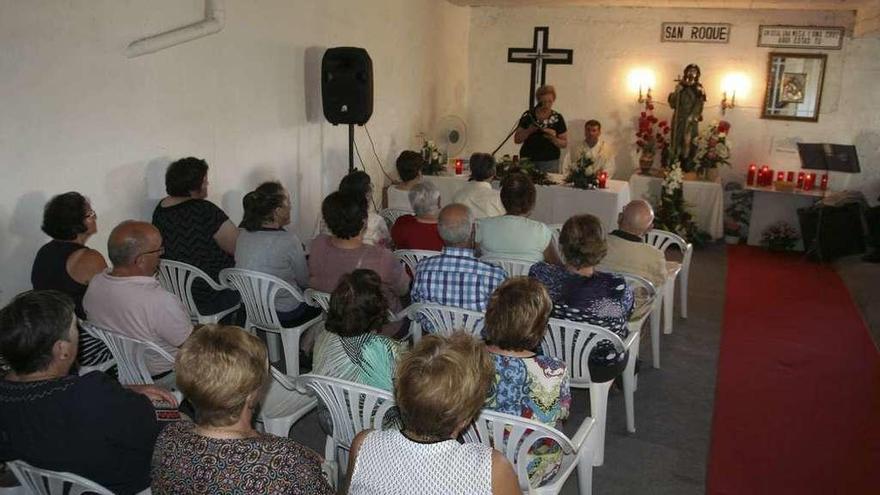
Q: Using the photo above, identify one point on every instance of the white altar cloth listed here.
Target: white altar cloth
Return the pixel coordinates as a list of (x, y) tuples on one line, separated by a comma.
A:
[(555, 204), (704, 200)]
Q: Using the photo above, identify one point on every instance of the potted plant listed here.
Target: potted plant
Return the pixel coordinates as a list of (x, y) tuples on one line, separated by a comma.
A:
[(524, 165), (780, 236), (737, 211), (650, 137), (434, 162), (713, 150), (584, 174)]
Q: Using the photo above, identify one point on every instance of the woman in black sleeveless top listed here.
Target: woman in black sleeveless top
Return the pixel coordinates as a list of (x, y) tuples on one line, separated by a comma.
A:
[(66, 264)]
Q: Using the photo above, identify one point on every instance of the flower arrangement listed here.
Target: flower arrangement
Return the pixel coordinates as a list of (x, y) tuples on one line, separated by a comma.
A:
[(713, 149), (651, 135), (584, 174), (672, 214), (434, 163), (507, 166), (780, 236), (737, 210)]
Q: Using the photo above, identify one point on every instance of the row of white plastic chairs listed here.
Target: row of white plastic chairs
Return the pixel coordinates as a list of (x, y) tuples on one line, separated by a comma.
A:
[(354, 408)]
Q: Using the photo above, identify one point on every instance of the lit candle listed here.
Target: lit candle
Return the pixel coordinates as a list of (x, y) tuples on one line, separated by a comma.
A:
[(824, 183), (780, 176), (459, 166), (800, 182), (750, 180), (809, 182), (603, 178), (790, 177), (762, 179)]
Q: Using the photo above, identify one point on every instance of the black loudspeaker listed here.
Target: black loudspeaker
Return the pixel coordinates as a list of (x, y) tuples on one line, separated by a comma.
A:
[(347, 85), (841, 231)]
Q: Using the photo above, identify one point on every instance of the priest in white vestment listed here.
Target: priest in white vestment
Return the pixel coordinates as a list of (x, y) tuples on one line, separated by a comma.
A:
[(597, 148)]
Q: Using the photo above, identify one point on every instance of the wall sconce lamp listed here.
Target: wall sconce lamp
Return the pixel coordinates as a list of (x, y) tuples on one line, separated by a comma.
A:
[(642, 79), (647, 98), (725, 103), (730, 86)]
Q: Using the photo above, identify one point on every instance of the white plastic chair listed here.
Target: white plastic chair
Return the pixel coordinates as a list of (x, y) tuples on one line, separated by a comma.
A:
[(129, 354), (258, 291), (651, 297), (515, 436), (45, 482), (572, 343), (443, 320), (284, 404), (411, 257), (390, 215), (178, 278), (317, 299), (663, 240), (353, 408), (513, 267)]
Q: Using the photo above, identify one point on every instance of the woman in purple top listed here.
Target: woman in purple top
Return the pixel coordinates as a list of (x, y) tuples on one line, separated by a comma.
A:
[(582, 294), (344, 251)]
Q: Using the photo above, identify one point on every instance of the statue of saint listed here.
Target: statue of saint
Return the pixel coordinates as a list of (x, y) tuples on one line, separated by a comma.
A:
[(687, 106)]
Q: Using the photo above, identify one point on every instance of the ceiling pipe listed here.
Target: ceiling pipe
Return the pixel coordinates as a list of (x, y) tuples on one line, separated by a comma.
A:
[(211, 24)]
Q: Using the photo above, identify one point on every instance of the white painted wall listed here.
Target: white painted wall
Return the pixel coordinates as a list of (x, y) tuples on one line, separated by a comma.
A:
[(609, 42), (78, 115)]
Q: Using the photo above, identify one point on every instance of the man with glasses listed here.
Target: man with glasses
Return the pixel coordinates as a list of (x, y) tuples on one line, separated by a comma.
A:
[(128, 299)]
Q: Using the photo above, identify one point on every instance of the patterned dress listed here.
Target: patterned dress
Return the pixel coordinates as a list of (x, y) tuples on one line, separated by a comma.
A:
[(187, 463), (602, 299), (537, 388), (368, 359)]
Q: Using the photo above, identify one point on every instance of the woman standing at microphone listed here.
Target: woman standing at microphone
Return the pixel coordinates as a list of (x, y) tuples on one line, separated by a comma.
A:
[(542, 132)]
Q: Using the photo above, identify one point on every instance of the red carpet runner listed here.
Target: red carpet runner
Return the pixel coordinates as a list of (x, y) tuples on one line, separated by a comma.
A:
[(797, 400)]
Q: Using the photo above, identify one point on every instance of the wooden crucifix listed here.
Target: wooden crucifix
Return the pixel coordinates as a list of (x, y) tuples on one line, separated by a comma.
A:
[(539, 56)]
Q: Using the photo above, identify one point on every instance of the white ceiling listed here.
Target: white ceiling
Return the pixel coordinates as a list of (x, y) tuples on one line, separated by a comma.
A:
[(867, 11)]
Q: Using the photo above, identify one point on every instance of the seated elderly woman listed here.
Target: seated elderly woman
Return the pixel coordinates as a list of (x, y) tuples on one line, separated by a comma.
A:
[(526, 384), (195, 231), (344, 251), (440, 387), (478, 194), (88, 425), (224, 371), (419, 231), (580, 293), (67, 265), (350, 348), (265, 246), (514, 235), (409, 169), (357, 184)]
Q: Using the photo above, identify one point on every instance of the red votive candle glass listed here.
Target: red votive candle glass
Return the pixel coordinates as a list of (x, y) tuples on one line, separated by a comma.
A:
[(750, 178), (459, 166), (780, 176), (809, 182), (790, 177), (824, 183), (603, 178), (800, 182), (762, 179)]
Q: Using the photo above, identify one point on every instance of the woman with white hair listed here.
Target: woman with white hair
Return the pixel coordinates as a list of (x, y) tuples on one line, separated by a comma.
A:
[(419, 231)]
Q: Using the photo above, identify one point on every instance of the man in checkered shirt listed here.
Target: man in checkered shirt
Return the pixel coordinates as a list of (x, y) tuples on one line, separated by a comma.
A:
[(456, 277)]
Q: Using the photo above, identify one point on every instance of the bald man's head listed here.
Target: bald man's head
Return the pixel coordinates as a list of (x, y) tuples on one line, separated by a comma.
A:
[(129, 240), (455, 225), (637, 217)]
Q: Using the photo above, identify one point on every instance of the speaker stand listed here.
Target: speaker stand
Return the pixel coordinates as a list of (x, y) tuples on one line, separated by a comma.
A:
[(350, 148)]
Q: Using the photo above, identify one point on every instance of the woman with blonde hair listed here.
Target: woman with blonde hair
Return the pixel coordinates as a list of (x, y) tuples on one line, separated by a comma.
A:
[(440, 387), (542, 131), (224, 371)]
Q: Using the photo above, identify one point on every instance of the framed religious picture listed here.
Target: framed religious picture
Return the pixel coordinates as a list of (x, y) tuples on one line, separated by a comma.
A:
[(794, 86), (791, 90)]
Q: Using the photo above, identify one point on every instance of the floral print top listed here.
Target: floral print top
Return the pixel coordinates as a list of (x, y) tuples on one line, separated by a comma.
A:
[(532, 387)]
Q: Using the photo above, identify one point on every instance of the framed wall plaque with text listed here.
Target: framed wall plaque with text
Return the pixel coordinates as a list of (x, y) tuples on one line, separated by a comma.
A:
[(810, 37)]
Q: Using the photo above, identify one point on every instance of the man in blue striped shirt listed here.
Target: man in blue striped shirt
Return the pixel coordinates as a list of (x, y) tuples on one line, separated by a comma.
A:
[(456, 277)]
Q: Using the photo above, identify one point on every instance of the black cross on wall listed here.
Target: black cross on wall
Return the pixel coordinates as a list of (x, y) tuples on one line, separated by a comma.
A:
[(539, 56)]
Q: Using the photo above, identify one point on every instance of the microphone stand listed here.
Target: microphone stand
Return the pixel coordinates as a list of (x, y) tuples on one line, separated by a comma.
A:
[(515, 127)]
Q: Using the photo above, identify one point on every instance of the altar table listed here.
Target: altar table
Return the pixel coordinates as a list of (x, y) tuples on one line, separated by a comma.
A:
[(704, 200), (556, 203)]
